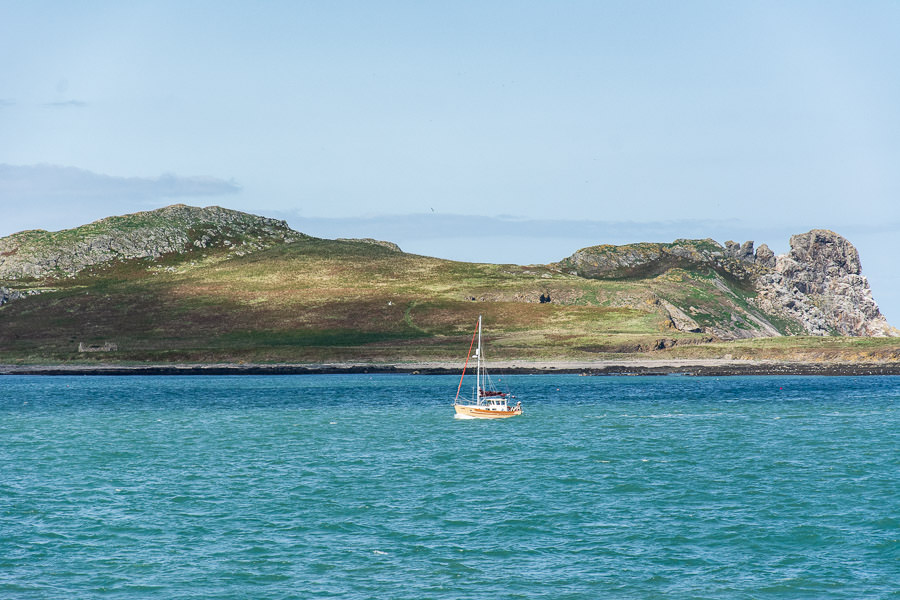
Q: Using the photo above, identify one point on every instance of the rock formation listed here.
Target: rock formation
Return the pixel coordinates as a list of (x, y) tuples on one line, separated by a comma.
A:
[(382, 243), (817, 286), (679, 320), (8, 295), (819, 283), (174, 229)]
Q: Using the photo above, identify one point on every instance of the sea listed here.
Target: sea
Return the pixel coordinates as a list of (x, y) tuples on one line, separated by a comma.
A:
[(366, 486)]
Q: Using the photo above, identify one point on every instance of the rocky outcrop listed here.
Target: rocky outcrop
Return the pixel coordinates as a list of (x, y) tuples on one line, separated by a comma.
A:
[(635, 260), (382, 243), (817, 288), (8, 295), (742, 252), (174, 229), (765, 258), (650, 259), (678, 319), (819, 284)]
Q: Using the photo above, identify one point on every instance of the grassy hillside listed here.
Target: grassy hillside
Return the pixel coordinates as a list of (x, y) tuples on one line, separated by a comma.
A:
[(310, 300), (324, 300)]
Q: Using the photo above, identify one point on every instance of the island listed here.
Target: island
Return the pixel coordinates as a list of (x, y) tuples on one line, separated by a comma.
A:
[(210, 290)]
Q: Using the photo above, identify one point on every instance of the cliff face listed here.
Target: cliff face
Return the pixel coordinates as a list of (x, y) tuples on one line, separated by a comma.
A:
[(817, 288), (174, 229), (819, 283)]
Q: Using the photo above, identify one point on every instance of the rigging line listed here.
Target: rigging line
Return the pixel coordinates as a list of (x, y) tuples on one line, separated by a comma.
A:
[(469, 355)]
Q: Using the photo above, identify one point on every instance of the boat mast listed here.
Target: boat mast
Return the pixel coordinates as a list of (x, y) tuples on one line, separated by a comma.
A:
[(478, 368)]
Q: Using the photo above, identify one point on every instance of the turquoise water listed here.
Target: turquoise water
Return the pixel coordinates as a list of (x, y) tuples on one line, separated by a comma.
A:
[(366, 487)]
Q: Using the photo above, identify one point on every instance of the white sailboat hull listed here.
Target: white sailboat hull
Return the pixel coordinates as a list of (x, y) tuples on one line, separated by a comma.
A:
[(466, 411)]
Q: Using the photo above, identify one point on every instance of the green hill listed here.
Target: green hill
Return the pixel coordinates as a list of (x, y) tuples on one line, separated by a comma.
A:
[(211, 285)]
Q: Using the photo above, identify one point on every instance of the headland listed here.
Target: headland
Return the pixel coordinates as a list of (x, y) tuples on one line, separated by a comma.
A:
[(208, 290)]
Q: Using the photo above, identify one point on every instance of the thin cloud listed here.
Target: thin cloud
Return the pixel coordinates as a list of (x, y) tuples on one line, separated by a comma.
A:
[(45, 182), (7, 102), (54, 197), (67, 104)]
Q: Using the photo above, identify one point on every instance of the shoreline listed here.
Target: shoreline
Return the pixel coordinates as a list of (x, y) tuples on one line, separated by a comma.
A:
[(698, 368)]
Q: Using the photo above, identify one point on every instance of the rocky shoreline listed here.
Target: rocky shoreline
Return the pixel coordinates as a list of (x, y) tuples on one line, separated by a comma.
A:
[(697, 368)]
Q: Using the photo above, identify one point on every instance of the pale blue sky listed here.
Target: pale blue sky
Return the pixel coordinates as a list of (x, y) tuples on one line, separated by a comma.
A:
[(608, 122)]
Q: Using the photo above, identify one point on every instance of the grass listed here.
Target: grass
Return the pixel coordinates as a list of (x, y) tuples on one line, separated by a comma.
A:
[(321, 300)]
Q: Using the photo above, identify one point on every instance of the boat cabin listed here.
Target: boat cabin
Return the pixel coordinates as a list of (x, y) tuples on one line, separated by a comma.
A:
[(495, 404)]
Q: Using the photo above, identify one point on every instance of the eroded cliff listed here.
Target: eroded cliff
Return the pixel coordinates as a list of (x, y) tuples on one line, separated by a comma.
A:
[(817, 288)]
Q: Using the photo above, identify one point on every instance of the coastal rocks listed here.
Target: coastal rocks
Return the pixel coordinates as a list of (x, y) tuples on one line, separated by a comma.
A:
[(174, 229), (819, 284)]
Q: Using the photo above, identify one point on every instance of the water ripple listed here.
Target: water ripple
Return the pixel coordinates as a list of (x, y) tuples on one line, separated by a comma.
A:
[(366, 487)]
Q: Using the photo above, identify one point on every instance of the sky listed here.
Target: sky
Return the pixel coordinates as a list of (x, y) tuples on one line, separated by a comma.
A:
[(483, 131)]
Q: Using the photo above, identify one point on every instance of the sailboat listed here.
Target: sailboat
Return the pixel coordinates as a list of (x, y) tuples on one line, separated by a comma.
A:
[(486, 402)]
